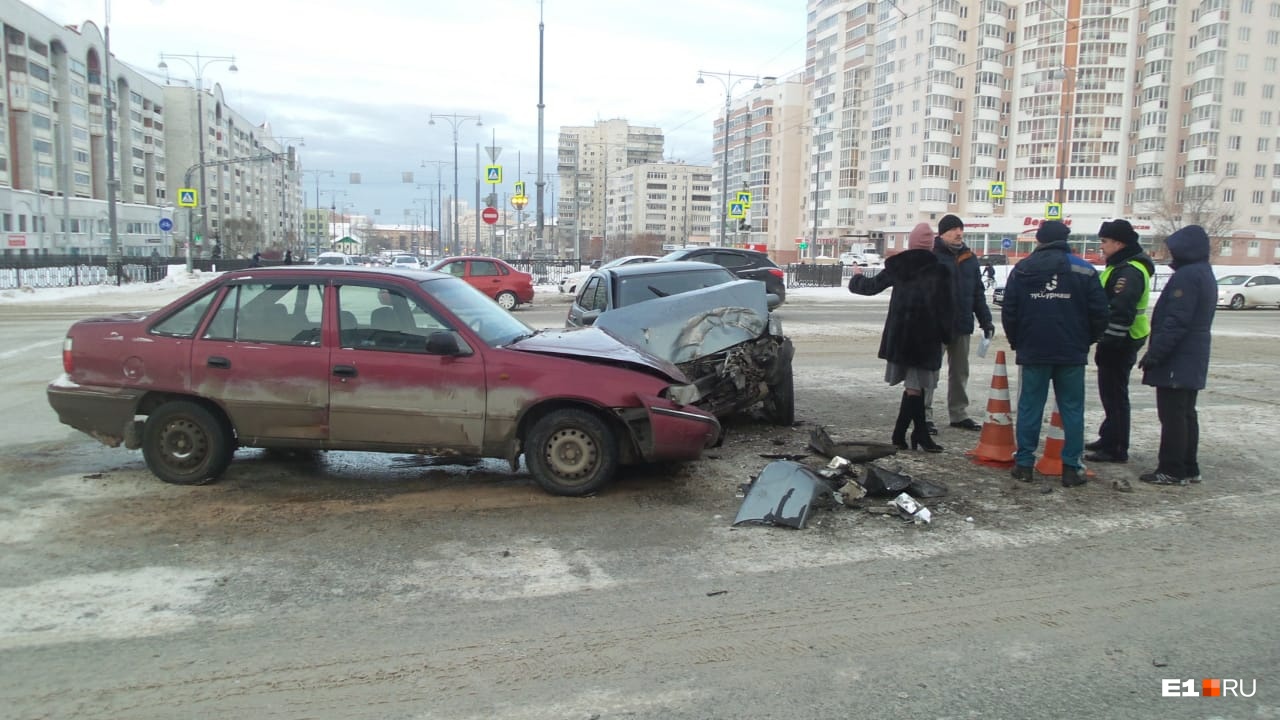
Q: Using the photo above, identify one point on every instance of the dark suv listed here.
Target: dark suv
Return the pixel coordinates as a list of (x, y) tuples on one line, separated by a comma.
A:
[(747, 264)]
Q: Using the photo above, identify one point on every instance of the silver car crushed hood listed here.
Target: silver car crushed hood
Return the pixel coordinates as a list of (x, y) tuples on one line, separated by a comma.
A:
[(593, 343), (684, 327)]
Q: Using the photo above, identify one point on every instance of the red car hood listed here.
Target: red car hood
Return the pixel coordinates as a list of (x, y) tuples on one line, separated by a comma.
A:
[(594, 344)]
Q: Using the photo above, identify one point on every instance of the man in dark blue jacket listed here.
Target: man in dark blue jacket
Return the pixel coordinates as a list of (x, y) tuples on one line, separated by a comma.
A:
[(1177, 362), (1054, 309), (969, 301)]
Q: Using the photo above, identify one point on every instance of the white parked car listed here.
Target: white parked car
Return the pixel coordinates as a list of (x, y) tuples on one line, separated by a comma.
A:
[(573, 280), (334, 258), (405, 261), (1245, 291)]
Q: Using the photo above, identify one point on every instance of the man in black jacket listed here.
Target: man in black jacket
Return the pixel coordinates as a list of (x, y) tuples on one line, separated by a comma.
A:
[(1127, 283), (970, 301), (1054, 309)]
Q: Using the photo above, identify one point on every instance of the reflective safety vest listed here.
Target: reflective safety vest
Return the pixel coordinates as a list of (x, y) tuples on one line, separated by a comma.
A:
[(1141, 326)]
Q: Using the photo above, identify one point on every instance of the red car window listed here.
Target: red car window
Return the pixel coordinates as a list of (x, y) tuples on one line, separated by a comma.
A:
[(483, 268)]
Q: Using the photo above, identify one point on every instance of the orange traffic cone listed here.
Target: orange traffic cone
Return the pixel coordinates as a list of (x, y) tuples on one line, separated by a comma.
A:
[(996, 444), (1051, 462)]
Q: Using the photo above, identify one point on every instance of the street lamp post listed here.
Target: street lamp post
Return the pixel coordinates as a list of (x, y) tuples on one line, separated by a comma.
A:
[(454, 119), (290, 157), (436, 246), (728, 80), (1066, 109), (817, 165), (197, 63), (113, 251)]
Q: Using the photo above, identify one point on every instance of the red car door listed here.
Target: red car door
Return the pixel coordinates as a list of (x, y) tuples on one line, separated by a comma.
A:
[(486, 276), (387, 391), (261, 356)]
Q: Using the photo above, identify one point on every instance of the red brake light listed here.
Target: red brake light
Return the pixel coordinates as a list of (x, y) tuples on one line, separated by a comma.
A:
[(777, 272), (67, 365)]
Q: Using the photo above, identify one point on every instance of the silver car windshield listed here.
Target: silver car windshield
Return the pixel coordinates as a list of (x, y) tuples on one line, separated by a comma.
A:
[(478, 311)]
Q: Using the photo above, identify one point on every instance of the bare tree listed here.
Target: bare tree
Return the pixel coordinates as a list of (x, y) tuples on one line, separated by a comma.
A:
[(1192, 205)]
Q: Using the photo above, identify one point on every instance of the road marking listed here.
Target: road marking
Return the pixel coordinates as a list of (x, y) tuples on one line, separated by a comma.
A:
[(13, 353)]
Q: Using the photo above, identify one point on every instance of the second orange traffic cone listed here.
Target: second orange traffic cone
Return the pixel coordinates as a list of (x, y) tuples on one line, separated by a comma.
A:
[(996, 444), (1051, 462)]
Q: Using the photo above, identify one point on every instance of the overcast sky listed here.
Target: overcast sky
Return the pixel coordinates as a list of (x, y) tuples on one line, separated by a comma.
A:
[(359, 80)]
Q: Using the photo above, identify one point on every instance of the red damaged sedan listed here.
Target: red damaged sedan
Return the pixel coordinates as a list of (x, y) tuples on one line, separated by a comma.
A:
[(336, 358)]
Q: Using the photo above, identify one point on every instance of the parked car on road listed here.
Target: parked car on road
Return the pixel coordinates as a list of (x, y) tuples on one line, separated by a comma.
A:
[(403, 361), (573, 280), (508, 286), (714, 326), (746, 264), (1247, 291), (405, 262), (334, 258)]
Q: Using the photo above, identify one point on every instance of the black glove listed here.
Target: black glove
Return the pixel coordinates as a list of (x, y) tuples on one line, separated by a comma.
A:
[(1144, 362), (989, 331)]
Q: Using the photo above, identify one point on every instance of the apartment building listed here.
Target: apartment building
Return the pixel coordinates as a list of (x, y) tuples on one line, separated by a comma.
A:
[(251, 190), (586, 158), (766, 151), (668, 203), (54, 81), (1154, 110), (53, 143)]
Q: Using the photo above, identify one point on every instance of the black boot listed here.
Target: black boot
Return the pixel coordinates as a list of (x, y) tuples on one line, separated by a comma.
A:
[(920, 438), (903, 421)]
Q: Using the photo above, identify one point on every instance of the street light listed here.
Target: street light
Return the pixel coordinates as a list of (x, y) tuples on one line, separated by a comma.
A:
[(728, 80), (817, 164), (290, 157), (437, 245), (1066, 107), (454, 119), (197, 63), (113, 251)]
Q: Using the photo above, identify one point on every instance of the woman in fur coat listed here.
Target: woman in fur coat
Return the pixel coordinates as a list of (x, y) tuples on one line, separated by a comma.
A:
[(918, 326)]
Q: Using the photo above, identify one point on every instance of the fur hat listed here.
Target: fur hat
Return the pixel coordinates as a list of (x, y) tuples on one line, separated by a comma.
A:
[(921, 237), (1120, 231), (948, 222), (1052, 231)]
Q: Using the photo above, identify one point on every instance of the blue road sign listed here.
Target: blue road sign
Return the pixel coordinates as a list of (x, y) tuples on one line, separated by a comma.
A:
[(166, 224), (1006, 243)]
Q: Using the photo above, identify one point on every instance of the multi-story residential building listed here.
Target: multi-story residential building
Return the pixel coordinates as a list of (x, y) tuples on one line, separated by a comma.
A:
[(53, 152), (586, 159), (53, 142), (771, 143), (669, 203), (251, 192), (1157, 111)]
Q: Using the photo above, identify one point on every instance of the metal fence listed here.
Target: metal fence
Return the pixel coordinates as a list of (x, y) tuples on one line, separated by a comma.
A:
[(833, 275), (51, 271)]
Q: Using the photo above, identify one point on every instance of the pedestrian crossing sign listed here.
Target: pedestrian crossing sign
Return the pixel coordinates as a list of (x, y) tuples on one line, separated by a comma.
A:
[(493, 174), (996, 191), (744, 197), (737, 210), (1053, 211), (188, 197)]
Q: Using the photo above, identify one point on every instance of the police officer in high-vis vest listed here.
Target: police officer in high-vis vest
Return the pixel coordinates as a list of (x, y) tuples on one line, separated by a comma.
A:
[(1127, 283)]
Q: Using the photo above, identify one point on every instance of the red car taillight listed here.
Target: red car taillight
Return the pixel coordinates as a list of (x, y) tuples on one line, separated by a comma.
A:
[(67, 365), (777, 272)]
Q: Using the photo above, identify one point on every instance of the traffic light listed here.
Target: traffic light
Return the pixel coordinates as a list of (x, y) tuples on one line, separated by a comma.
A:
[(491, 200), (197, 238)]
